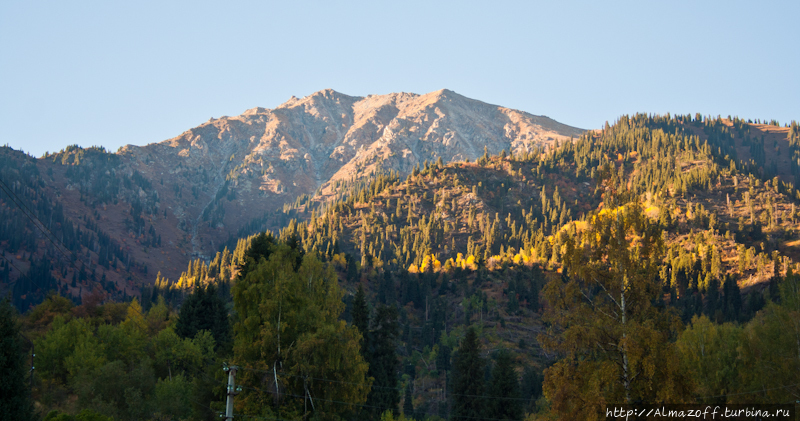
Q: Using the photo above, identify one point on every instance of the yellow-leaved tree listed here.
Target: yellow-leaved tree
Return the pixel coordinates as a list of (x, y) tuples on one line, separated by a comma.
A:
[(608, 324)]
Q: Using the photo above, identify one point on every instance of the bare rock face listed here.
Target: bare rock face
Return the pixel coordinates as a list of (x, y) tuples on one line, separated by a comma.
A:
[(218, 176)]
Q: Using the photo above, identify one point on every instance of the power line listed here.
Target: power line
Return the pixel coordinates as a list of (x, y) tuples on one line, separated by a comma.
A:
[(45, 230), (11, 290), (30, 215), (250, 369), (360, 405), (27, 212), (12, 264), (259, 417), (22, 274), (751, 393), (400, 389)]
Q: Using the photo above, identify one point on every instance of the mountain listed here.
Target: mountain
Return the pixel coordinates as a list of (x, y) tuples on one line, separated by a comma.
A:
[(652, 224), (718, 193), (267, 158), (154, 207), (645, 240)]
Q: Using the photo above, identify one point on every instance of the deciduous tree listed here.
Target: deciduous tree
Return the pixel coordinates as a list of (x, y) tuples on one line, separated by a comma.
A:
[(289, 335), (608, 321)]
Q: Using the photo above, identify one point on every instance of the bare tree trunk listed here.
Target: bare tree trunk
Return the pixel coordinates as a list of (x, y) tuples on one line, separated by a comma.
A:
[(626, 382)]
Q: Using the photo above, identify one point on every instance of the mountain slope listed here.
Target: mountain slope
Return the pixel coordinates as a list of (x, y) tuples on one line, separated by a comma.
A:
[(480, 242), (166, 202), (266, 158)]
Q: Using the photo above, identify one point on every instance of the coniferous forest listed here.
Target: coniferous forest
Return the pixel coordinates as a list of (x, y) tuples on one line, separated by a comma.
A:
[(652, 261)]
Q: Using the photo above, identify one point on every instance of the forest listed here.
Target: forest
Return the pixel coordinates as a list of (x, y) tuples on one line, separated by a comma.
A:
[(652, 261)]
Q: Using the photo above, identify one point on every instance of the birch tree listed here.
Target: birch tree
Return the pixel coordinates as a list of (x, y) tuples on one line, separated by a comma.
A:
[(608, 322), (300, 357)]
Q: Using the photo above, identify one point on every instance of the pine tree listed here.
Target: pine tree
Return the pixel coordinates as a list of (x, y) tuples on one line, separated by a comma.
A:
[(204, 309), (733, 299), (15, 401), (443, 358), (504, 393), (408, 404), (468, 380), (260, 247), (360, 314), (531, 386), (383, 361)]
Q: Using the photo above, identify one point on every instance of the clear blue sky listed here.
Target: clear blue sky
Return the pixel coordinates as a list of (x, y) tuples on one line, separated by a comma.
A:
[(111, 73)]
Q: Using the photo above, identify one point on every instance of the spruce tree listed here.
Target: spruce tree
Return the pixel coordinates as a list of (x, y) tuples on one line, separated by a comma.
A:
[(468, 380), (383, 361), (531, 386), (352, 270), (204, 310), (504, 391), (360, 314), (408, 404), (443, 358), (15, 401), (261, 247)]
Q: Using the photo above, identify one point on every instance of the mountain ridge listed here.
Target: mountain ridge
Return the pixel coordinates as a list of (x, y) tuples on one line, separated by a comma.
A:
[(306, 143), (161, 204)]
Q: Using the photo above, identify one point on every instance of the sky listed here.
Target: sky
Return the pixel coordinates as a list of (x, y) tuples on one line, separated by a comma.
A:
[(116, 73)]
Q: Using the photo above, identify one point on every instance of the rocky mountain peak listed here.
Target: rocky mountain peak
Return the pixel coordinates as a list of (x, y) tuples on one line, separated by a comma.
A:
[(323, 98)]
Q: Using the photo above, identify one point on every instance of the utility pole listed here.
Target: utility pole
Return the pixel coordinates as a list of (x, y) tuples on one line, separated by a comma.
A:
[(33, 354), (232, 390)]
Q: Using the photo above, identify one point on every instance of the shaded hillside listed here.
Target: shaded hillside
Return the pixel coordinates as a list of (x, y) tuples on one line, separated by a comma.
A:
[(47, 246)]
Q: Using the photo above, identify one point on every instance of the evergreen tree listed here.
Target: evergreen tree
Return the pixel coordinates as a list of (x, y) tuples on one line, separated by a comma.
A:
[(352, 270), (769, 349), (531, 386), (204, 309), (360, 314), (468, 380), (383, 361), (504, 392), (443, 358), (386, 293), (261, 247), (408, 404), (733, 299), (15, 401)]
